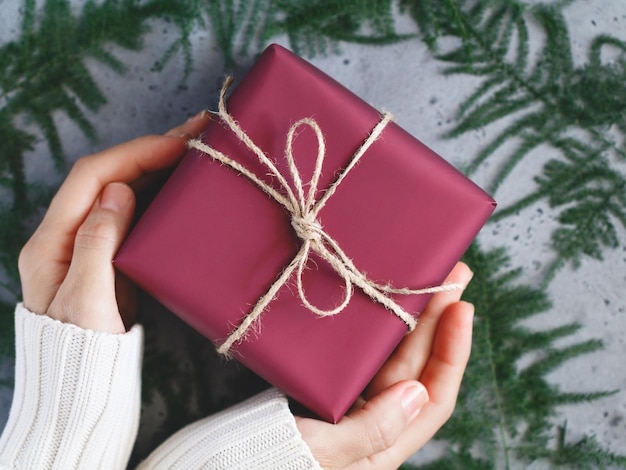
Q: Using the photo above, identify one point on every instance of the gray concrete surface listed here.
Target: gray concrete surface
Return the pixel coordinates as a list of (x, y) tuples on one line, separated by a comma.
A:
[(406, 80)]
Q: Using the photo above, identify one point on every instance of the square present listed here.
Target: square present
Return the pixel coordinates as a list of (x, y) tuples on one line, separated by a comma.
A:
[(213, 242)]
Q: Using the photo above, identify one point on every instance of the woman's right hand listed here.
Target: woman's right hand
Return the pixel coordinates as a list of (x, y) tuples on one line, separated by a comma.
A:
[(411, 397), (66, 267)]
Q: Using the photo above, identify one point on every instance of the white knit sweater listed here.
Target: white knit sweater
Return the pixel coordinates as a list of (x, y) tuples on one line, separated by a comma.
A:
[(76, 406)]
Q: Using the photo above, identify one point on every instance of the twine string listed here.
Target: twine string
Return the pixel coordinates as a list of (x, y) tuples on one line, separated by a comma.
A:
[(304, 209)]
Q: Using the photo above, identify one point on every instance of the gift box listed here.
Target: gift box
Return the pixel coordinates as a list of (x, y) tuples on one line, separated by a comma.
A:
[(213, 242)]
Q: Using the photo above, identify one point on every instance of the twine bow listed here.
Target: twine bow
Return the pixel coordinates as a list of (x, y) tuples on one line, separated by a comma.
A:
[(304, 210)]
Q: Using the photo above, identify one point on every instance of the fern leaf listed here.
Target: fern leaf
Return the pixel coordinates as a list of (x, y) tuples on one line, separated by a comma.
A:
[(107, 58), (15, 143), (477, 95), (550, 100), (543, 339), (315, 27), (498, 106), (584, 454), (238, 25), (592, 197), (513, 131), (554, 358), (566, 398), (521, 402)]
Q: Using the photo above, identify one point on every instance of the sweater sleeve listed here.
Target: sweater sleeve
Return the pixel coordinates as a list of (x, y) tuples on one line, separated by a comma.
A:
[(259, 433), (76, 398)]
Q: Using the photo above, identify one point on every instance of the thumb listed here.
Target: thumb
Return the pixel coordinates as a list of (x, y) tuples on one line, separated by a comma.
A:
[(367, 431), (87, 295)]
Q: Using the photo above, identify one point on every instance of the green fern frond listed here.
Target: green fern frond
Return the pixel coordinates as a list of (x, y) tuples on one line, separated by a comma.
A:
[(13, 228), (585, 454), (15, 143), (542, 339), (312, 28), (510, 88), (568, 398), (519, 401), (436, 19), (592, 196), (499, 306), (186, 15), (316, 27), (42, 73), (553, 358), (546, 95), (238, 26), (549, 99)]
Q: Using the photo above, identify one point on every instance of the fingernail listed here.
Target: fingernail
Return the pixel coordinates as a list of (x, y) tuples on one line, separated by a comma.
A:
[(183, 135), (115, 197), (471, 311), (201, 115), (179, 130), (414, 397)]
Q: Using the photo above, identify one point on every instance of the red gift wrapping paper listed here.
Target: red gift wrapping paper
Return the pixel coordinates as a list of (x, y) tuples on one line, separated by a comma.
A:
[(211, 243)]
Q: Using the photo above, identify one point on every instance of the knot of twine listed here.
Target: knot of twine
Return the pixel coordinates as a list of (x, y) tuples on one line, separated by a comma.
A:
[(304, 209), (309, 229)]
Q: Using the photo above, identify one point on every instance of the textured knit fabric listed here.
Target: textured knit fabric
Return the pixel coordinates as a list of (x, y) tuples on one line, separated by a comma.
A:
[(259, 433), (76, 406), (76, 398)]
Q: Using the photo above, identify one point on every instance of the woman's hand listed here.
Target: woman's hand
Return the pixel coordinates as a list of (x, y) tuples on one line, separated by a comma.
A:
[(410, 398), (65, 267)]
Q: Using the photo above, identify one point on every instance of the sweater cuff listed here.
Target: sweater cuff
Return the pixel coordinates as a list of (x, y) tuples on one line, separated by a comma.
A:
[(76, 399), (259, 433)]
